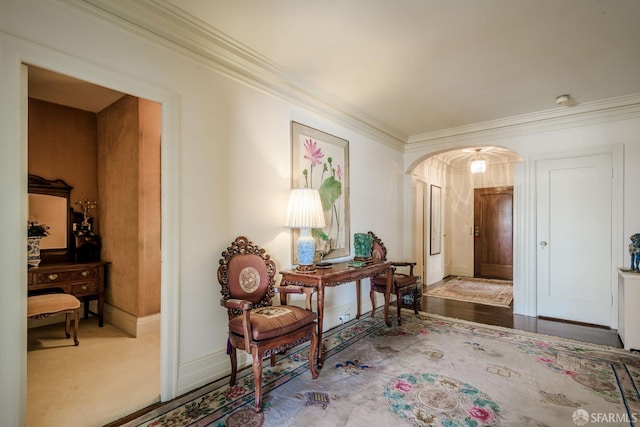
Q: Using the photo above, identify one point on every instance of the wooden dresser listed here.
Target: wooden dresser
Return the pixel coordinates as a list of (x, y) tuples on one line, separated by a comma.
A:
[(83, 280)]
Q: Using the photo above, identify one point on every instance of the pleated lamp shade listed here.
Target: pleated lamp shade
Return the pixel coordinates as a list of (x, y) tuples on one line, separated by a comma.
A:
[(305, 209)]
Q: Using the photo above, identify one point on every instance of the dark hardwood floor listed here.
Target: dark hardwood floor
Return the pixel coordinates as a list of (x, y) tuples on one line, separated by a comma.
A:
[(500, 316)]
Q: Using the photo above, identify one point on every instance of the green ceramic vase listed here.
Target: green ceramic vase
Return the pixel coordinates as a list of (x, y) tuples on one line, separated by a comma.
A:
[(363, 244)]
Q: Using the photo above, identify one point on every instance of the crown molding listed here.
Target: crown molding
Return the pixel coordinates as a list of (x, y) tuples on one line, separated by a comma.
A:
[(164, 23), (171, 27), (620, 108)]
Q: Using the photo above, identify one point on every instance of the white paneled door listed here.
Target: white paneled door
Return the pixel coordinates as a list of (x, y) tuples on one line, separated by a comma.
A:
[(574, 223)]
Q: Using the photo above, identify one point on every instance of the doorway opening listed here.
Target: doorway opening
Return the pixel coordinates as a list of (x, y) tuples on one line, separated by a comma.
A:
[(450, 170), (89, 136)]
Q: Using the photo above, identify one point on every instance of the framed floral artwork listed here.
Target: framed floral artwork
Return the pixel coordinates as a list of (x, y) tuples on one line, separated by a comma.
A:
[(436, 220), (321, 161)]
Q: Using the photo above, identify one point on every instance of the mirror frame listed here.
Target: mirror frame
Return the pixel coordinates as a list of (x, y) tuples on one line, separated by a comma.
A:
[(59, 188)]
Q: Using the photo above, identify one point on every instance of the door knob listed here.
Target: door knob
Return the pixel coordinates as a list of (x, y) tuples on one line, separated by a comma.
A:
[(543, 243)]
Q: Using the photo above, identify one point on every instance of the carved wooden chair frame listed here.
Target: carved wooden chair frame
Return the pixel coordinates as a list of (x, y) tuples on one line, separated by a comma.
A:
[(377, 283), (243, 308)]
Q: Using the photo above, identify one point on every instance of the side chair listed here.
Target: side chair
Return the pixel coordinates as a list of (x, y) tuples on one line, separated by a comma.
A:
[(246, 274), (404, 283)]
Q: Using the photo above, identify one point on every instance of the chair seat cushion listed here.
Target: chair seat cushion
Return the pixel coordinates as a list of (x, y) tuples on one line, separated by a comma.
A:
[(274, 321), (400, 281), (51, 303)]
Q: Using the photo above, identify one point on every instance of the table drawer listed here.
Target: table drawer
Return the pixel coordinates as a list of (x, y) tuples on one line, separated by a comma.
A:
[(67, 276), (85, 288)]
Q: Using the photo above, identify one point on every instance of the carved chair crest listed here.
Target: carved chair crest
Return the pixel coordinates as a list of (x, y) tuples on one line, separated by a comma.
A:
[(246, 272), (378, 251)]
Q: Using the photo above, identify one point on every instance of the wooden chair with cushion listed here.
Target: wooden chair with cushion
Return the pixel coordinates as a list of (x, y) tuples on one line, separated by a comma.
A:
[(41, 306), (246, 274), (404, 283)]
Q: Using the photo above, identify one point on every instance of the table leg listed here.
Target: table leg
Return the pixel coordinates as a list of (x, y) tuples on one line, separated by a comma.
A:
[(358, 298), (101, 310), (387, 296), (320, 319)]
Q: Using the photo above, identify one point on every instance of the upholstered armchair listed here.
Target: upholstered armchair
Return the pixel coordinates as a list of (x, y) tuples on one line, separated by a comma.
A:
[(404, 282), (246, 274)]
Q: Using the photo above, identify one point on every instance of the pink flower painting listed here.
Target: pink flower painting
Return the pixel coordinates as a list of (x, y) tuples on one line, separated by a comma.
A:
[(320, 161)]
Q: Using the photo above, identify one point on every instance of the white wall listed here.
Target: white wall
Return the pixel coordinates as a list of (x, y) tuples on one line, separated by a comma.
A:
[(226, 172), (430, 172)]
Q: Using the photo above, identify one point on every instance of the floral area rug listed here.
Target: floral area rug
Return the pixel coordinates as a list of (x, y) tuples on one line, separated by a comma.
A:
[(498, 293), (431, 371)]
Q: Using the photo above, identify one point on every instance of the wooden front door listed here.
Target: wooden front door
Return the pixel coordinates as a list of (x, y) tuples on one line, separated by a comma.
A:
[(493, 232)]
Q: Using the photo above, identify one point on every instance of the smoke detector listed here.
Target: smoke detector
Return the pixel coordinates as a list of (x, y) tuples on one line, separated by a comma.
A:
[(563, 100)]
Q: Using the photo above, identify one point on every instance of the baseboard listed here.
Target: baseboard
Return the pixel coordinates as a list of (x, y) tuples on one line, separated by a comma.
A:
[(134, 326), (207, 369), (148, 325), (460, 271)]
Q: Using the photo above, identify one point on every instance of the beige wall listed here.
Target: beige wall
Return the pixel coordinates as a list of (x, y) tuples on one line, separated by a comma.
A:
[(129, 203), (62, 145), (150, 117), (121, 172)]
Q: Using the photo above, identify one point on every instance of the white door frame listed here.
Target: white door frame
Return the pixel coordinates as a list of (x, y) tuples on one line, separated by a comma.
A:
[(15, 52)]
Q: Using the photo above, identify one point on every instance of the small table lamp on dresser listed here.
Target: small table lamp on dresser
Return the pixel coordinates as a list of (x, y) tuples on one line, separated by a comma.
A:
[(305, 212)]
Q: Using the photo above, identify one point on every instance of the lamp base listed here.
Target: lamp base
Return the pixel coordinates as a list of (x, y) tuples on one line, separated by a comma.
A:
[(306, 269), (306, 247)]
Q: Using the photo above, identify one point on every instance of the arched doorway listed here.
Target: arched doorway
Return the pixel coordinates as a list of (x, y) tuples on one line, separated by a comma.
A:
[(448, 172)]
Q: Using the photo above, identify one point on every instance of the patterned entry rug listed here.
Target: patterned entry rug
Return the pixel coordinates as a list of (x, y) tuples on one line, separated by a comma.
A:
[(431, 371), (498, 293)]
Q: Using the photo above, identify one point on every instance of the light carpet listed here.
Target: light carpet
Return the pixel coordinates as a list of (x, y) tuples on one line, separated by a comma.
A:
[(497, 293), (431, 371)]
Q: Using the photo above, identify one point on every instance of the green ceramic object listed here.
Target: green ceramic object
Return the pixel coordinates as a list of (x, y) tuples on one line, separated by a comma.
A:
[(363, 244)]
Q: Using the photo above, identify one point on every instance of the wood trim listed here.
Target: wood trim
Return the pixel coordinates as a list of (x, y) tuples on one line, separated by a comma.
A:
[(573, 322)]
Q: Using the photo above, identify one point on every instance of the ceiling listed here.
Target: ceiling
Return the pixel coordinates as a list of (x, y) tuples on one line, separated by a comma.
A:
[(422, 66), (64, 90), (419, 66)]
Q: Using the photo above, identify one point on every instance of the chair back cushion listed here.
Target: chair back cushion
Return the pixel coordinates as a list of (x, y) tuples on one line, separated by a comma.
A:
[(246, 273), (248, 278)]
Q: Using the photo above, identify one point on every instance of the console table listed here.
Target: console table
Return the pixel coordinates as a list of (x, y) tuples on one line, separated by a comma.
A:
[(83, 280), (335, 275)]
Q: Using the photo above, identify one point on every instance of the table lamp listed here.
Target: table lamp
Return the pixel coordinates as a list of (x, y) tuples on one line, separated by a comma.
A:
[(305, 212)]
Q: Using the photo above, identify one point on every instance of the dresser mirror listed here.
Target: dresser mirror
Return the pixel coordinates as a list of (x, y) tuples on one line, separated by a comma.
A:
[(49, 203)]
